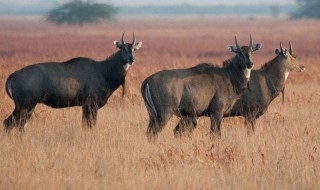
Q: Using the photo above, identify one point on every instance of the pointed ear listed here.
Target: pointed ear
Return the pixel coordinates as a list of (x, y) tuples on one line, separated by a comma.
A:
[(276, 51), (116, 43), (232, 49), (137, 46), (256, 47)]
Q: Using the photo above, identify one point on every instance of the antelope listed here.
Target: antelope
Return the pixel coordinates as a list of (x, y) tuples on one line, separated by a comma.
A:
[(77, 82), (197, 91)]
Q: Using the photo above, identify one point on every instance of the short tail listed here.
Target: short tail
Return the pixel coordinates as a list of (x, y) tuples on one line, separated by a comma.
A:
[(149, 102), (9, 87)]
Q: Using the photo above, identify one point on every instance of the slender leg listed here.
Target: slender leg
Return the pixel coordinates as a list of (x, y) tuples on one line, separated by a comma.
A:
[(89, 115), (18, 118), (179, 129), (156, 124), (253, 123), (215, 127), (151, 131), (24, 117), (250, 124), (10, 122), (185, 124)]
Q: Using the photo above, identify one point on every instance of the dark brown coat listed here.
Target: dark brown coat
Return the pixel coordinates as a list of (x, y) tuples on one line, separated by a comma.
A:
[(196, 91), (265, 85)]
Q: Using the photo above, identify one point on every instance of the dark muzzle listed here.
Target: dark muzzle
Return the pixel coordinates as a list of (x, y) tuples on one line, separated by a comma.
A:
[(131, 61), (250, 65)]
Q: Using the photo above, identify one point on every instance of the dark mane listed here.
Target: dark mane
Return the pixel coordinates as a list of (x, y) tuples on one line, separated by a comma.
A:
[(228, 62), (268, 64), (111, 56), (88, 60), (204, 65), (77, 59), (236, 80)]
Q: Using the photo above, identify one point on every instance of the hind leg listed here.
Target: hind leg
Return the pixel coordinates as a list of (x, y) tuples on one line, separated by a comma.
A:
[(10, 122), (18, 118), (186, 124), (156, 124)]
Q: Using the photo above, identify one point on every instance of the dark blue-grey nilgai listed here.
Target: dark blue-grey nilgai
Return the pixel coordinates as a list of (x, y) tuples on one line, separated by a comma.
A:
[(77, 82)]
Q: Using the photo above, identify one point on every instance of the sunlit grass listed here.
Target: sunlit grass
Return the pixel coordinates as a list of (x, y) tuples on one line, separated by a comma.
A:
[(56, 153)]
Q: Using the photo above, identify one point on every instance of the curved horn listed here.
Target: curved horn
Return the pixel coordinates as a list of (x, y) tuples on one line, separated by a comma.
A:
[(134, 39), (122, 39), (236, 41), (290, 48), (251, 41), (281, 49)]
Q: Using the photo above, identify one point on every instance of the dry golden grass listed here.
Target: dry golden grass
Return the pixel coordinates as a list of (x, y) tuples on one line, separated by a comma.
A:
[(56, 153)]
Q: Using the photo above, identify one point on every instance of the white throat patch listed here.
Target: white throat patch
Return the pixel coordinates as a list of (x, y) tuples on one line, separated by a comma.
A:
[(286, 75), (247, 72), (126, 66)]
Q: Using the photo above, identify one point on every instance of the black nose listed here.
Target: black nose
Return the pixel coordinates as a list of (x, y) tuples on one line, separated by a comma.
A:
[(250, 65)]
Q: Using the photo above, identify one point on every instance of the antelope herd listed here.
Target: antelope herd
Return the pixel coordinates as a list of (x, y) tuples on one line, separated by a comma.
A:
[(203, 90)]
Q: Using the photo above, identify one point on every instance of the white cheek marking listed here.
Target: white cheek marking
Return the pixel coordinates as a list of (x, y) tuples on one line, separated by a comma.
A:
[(126, 67), (247, 72), (286, 75)]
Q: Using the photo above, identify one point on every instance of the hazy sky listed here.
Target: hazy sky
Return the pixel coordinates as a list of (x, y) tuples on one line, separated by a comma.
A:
[(158, 2)]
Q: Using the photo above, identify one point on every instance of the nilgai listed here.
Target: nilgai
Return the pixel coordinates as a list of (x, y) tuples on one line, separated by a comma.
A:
[(77, 82), (197, 92), (266, 84)]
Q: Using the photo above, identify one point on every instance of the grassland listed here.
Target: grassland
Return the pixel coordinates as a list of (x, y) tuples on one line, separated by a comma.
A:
[(56, 153)]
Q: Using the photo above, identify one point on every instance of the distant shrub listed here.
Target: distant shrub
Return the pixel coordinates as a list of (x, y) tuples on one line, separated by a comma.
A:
[(78, 12)]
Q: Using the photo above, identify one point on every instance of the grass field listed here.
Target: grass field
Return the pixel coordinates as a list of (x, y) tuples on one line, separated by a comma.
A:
[(56, 153)]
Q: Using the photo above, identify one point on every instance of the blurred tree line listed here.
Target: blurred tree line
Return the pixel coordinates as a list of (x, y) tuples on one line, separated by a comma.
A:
[(86, 11), (79, 12), (307, 9)]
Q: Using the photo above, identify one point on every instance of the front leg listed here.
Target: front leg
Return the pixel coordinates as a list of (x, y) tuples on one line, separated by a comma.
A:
[(215, 127), (185, 124), (89, 115), (217, 108), (250, 122)]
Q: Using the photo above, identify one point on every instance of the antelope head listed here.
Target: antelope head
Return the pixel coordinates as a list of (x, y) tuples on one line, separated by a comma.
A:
[(245, 54), (127, 51), (291, 62)]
